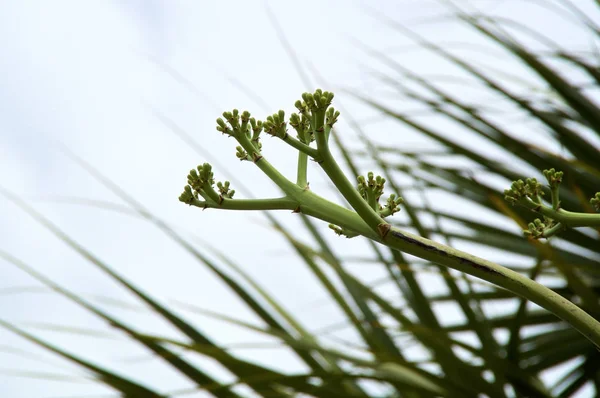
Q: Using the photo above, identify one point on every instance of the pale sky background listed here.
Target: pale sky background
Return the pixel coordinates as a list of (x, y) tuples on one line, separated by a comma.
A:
[(87, 74)]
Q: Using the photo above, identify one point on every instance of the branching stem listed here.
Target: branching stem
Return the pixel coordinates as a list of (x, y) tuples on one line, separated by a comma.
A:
[(367, 218)]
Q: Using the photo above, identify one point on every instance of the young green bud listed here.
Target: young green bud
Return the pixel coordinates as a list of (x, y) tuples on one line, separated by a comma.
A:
[(520, 189), (245, 118), (233, 119), (554, 177), (319, 100), (275, 125), (302, 107), (338, 230), (224, 190), (595, 201), (294, 120), (393, 204), (206, 174), (371, 189), (533, 188), (331, 117), (187, 196), (222, 127), (329, 96), (257, 126), (309, 100), (241, 154), (342, 231), (535, 229)]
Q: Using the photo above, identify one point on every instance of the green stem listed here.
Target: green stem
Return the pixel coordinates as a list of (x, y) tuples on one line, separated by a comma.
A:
[(318, 207), (283, 203), (300, 146), (456, 259), (204, 195), (337, 176), (386, 212), (366, 221), (372, 200), (567, 218), (555, 197), (553, 230), (302, 179), (498, 275), (210, 192), (328, 129), (571, 219), (279, 179), (313, 205)]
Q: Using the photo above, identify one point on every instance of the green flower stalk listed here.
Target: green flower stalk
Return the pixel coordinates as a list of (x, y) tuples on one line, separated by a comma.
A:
[(313, 125), (529, 194)]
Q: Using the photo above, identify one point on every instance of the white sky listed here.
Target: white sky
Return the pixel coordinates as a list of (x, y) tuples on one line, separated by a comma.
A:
[(87, 74)]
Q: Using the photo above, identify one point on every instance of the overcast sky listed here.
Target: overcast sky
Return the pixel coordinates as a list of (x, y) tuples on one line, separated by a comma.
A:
[(96, 77)]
